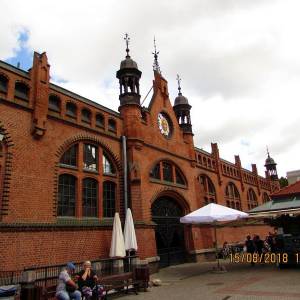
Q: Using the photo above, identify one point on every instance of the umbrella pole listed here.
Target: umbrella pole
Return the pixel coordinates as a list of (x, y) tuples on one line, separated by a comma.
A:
[(216, 244)]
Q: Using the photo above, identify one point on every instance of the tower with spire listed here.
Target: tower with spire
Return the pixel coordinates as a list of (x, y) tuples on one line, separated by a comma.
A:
[(182, 110), (271, 170), (129, 80)]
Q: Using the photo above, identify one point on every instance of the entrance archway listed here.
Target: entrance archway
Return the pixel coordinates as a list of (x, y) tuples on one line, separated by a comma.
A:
[(169, 232)]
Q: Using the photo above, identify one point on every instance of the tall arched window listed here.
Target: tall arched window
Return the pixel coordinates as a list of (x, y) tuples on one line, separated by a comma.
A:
[(167, 172), (66, 195), (109, 199), (265, 197), (3, 151), (252, 199), (232, 196), (21, 91), (3, 84), (95, 168), (90, 197), (208, 189)]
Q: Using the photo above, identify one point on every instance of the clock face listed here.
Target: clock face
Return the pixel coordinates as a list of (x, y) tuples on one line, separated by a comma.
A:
[(163, 125)]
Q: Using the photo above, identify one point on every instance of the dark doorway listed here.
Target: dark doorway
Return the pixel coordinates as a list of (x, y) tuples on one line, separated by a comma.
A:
[(169, 231)]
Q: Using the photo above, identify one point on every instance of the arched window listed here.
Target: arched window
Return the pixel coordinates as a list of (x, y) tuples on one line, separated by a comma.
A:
[(86, 116), (266, 197), (233, 196), (54, 103), (84, 161), (90, 197), (3, 84), (71, 110), (208, 189), (109, 199), (108, 167), (112, 126), (66, 195), (21, 91), (252, 199), (167, 172), (100, 120), (69, 158)]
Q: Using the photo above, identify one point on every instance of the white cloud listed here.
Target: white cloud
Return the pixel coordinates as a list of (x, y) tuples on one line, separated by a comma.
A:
[(238, 61)]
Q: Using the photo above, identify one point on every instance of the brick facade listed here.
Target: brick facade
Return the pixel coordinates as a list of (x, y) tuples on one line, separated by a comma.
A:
[(36, 135)]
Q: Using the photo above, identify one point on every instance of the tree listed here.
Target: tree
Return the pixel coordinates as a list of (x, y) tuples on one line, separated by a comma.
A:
[(283, 182)]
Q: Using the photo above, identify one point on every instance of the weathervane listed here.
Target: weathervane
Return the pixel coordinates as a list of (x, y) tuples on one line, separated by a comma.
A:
[(127, 39), (179, 87), (155, 64)]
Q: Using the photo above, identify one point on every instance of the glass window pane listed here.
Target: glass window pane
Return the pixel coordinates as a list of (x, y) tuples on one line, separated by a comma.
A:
[(109, 199), (107, 166), (90, 155), (167, 172), (155, 172), (69, 158), (66, 195), (179, 177), (89, 197)]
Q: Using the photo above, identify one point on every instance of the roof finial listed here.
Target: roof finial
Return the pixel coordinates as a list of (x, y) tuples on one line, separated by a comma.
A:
[(179, 87), (268, 151), (127, 39), (155, 64)]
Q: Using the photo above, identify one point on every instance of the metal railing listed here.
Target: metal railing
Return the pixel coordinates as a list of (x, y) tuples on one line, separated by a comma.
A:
[(48, 275)]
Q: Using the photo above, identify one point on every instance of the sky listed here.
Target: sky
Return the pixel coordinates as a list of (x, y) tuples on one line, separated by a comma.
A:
[(238, 61)]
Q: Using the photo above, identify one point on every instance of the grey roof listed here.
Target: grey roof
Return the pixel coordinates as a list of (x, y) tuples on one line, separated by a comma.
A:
[(283, 203), (180, 99), (128, 63)]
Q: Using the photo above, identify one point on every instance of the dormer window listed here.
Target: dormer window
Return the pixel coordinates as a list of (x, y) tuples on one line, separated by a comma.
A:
[(3, 84), (112, 126), (54, 103), (100, 120), (71, 110), (86, 116), (22, 91)]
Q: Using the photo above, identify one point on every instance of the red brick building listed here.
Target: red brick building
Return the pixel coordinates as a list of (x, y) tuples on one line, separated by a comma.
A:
[(62, 172)]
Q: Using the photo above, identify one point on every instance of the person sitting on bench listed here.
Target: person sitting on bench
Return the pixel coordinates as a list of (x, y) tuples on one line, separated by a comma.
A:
[(67, 289)]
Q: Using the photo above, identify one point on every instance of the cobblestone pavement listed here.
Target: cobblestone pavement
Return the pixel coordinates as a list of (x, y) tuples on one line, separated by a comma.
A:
[(241, 281)]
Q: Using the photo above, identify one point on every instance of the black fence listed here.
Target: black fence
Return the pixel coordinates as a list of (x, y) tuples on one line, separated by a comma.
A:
[(48, 275)]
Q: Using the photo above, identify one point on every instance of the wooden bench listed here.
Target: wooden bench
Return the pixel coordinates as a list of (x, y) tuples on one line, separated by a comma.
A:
[(123, 282)]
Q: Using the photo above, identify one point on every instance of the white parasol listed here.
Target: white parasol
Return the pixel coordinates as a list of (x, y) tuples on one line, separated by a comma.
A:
[(117, 248), (129, 232)]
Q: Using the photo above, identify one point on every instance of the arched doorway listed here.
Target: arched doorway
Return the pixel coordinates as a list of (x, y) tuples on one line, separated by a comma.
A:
[(169, 232)]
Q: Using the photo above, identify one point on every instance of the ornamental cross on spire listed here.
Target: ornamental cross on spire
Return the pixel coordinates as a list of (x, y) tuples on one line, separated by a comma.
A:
[(179, 87), (268, 151), (127, 39), (155, 64)]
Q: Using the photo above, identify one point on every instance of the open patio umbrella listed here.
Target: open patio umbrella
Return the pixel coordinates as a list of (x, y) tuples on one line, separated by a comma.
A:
[(212, 214), (117, 248), (129, 232)]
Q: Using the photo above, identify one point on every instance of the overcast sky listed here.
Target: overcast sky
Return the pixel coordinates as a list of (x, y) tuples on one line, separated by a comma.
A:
[(238, 60)]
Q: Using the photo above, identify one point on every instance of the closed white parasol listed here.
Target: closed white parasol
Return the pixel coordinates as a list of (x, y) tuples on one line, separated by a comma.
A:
[(129, 232), (212, 214), (117, 248)]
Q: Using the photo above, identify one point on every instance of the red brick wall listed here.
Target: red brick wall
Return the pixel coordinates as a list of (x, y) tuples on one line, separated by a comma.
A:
[(37, 248)]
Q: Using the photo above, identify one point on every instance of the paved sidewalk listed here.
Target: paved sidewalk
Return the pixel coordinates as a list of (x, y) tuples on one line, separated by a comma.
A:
[(241, 281)]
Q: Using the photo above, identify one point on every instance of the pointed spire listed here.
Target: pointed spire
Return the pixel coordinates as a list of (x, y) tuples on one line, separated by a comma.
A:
[(155, 64), (127, 39), (268, 151), (179, 87)]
